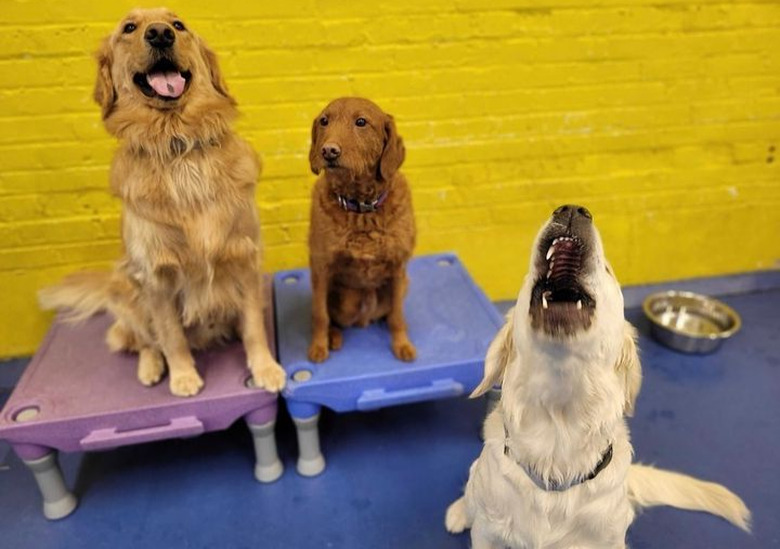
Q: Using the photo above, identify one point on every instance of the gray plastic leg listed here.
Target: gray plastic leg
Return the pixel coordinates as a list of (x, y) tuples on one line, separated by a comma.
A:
[(310, 460), (268, 468), (58, 502)]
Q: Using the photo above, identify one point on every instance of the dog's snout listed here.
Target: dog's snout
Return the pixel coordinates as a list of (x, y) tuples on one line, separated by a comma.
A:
[(568, 213), (160, 36), (331, 151)]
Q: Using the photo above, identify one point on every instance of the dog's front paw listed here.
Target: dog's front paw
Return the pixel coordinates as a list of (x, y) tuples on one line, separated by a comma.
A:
[(404, 350), (318, 352), (186, 384), (456, 519), (270, 377)]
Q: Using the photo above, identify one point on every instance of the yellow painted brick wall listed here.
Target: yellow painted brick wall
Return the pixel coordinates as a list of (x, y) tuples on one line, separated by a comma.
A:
[(662, 116)]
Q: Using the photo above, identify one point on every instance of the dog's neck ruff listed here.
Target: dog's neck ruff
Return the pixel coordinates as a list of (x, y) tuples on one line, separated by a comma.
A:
[(355, 205), (550, 485)]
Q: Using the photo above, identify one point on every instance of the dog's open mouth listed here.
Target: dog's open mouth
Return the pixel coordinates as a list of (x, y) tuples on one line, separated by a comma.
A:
[(163, 80), (560, 306)]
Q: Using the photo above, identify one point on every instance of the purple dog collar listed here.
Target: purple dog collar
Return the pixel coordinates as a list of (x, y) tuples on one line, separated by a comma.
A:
[(354, 205)]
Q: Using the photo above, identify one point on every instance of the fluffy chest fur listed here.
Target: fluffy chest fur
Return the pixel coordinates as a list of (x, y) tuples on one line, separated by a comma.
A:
[(362, 250), (194, 209), (516, 512), (192, 215)]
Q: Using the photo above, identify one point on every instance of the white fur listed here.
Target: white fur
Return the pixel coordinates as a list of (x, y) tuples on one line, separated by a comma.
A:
[(563, 402)]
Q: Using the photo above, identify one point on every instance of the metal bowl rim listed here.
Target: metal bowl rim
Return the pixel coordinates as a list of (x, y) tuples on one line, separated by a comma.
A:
[(700, 297)]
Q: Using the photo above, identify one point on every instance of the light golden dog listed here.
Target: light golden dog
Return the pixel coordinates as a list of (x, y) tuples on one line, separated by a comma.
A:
[(555, 471), (190, 275), (362, 230)]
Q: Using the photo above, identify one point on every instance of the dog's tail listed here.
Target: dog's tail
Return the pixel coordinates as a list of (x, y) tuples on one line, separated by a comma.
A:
[(648, 486), (81, 294)]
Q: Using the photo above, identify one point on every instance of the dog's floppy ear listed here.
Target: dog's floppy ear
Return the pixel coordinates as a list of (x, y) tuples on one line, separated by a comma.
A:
[(215, 74), (629, 369), (313, 148), (105, 94), (500, 353), (393, 153)]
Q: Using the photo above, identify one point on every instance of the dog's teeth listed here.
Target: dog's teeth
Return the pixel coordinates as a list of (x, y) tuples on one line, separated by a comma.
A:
[(579, 304), (550, 252), (544, 302)]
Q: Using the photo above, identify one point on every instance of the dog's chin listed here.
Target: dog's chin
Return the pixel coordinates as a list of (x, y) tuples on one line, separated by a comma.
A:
[(164, 82), (333, 167), (560, 306), (347, 181)]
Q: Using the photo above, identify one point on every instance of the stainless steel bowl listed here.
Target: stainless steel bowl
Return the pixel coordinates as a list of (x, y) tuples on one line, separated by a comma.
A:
[(689, 322)]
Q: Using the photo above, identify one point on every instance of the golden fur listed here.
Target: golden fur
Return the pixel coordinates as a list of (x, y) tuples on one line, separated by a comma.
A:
[(358, 260), (189, 276)]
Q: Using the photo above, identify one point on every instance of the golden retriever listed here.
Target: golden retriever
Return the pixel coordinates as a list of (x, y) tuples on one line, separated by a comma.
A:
[(362, 230), (555, 470), (189, 276)]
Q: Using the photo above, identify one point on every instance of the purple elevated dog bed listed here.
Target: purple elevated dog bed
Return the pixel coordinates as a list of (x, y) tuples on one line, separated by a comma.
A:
[(76, 395)]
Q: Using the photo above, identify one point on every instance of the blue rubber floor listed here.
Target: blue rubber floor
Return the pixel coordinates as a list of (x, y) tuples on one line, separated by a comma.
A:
[(391, 473)]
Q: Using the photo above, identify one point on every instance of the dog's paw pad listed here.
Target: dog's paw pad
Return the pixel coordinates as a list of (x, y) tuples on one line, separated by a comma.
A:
[(271, 378), (318, 353), (456, 519), (185, 385), (405, 351)]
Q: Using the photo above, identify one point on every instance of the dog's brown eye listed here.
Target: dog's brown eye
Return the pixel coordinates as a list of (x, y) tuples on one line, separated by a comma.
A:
[(178, 25), (360, 122), (130, 27), (323, 121)]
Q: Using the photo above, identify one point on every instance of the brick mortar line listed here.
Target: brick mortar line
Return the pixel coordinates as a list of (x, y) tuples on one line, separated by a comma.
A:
[(456, 9), (579, 87), (501, 137), (476, 40)]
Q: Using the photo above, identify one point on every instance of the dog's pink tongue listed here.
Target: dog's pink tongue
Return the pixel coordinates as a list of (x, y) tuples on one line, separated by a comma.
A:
[(166, 84)]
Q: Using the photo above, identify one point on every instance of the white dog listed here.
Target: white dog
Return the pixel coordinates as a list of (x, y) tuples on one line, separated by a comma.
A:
[(555, 471)]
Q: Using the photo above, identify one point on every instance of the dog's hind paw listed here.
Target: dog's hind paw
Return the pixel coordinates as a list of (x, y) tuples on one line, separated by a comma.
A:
[(456, 520), (151, 366), (335, 339)]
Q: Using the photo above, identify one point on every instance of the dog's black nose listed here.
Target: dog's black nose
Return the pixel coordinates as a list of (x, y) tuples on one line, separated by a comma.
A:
[(160, 36), (331, 151), (569, 212)]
